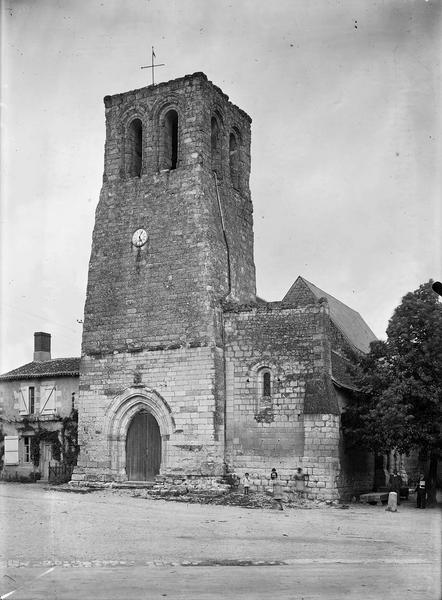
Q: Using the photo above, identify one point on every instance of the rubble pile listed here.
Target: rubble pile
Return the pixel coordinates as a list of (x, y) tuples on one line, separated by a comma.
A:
[(227, 498), (197, 491)]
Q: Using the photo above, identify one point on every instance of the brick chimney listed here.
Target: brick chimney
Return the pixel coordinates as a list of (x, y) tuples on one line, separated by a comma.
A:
[(42, 346)]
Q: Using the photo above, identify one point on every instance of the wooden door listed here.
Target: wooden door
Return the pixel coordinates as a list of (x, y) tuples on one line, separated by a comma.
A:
[(45, 459), (143, 448)]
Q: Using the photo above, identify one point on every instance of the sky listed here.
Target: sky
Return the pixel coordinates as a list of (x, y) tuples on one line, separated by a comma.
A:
[(346, 180)]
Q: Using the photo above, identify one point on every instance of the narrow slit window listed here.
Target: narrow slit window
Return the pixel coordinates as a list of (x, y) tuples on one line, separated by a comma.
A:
[(266, 384), (215, 146), (234, 159), (135, 154), (169, 159)]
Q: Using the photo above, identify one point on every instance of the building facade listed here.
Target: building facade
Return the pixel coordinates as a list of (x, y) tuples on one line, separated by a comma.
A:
[(38, 404), (184, 371)]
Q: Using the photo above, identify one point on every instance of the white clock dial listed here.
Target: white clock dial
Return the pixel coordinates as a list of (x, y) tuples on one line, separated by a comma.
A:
[(139, 238)]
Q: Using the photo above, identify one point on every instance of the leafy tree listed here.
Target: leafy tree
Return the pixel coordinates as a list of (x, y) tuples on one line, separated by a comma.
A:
[(400, 381)]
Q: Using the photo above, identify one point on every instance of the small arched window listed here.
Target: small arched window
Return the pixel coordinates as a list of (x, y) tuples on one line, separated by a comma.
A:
[(215, 140), (234, 158), (169, 141), (135, 148), (265, 383)]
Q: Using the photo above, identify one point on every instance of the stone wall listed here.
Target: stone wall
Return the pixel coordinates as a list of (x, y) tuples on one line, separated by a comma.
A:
[(263, 432), (165, 292), (321, 454), (181, 388)]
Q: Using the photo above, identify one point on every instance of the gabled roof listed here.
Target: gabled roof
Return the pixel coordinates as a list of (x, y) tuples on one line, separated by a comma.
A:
[(348, 321), (57, 367)]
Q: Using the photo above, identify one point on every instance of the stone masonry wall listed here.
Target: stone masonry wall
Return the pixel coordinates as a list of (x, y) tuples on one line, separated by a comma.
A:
[(170, 285), (156, 295), (321, 455), (179, 387), (263, 433), (165, 292)]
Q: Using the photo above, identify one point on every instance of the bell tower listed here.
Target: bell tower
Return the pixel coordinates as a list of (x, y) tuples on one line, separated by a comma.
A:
[(172, 240)]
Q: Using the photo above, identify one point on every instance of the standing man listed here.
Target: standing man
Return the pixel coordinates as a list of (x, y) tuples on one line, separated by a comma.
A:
[(421, 491)]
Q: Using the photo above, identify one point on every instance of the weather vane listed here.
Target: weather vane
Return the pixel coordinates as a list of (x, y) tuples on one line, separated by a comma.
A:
[(153, 65)]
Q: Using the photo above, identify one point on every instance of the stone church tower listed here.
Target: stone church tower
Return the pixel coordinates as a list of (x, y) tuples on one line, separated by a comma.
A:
[(184, 371), (172, 240)]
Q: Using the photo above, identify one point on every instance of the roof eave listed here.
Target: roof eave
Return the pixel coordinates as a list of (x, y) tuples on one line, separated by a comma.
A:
[(342, 385), (39, 375)]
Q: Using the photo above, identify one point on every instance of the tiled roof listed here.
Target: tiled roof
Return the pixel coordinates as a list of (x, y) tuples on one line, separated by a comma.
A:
[(57, 367), (341, 371), (347, 320)]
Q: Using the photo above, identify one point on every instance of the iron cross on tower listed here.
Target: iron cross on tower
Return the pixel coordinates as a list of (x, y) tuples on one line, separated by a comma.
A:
[(153, 65)]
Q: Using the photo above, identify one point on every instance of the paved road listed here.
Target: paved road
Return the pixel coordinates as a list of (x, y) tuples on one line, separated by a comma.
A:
[(106, 545)]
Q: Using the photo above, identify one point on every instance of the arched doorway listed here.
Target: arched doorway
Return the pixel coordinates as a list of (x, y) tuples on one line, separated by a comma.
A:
[(143, 447)]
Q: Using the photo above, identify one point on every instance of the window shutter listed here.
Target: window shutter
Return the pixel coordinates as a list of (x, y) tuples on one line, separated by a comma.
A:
[(11, 449), (47, 401), (23, 401)]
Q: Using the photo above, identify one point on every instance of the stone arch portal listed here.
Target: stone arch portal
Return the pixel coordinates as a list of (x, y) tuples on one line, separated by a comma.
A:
[(137, 422)]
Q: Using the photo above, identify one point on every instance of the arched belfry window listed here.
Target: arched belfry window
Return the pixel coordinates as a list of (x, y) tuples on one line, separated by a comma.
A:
[(234, 158), (215, 142), (135, 148), (169, 141)]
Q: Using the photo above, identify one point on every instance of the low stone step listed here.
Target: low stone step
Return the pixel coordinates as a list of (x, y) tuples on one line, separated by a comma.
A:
[(133, 484)]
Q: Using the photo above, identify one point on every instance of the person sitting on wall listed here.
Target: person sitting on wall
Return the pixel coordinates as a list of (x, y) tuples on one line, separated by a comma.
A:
[(232, 479)]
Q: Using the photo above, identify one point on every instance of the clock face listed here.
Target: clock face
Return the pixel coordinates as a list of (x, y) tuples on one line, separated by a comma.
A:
[(139, 238)]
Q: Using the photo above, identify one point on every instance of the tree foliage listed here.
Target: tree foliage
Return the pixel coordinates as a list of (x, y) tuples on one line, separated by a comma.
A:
[(400, 382)]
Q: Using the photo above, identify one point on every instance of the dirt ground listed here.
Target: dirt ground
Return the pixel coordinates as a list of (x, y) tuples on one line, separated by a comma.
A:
[(107, 544)]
